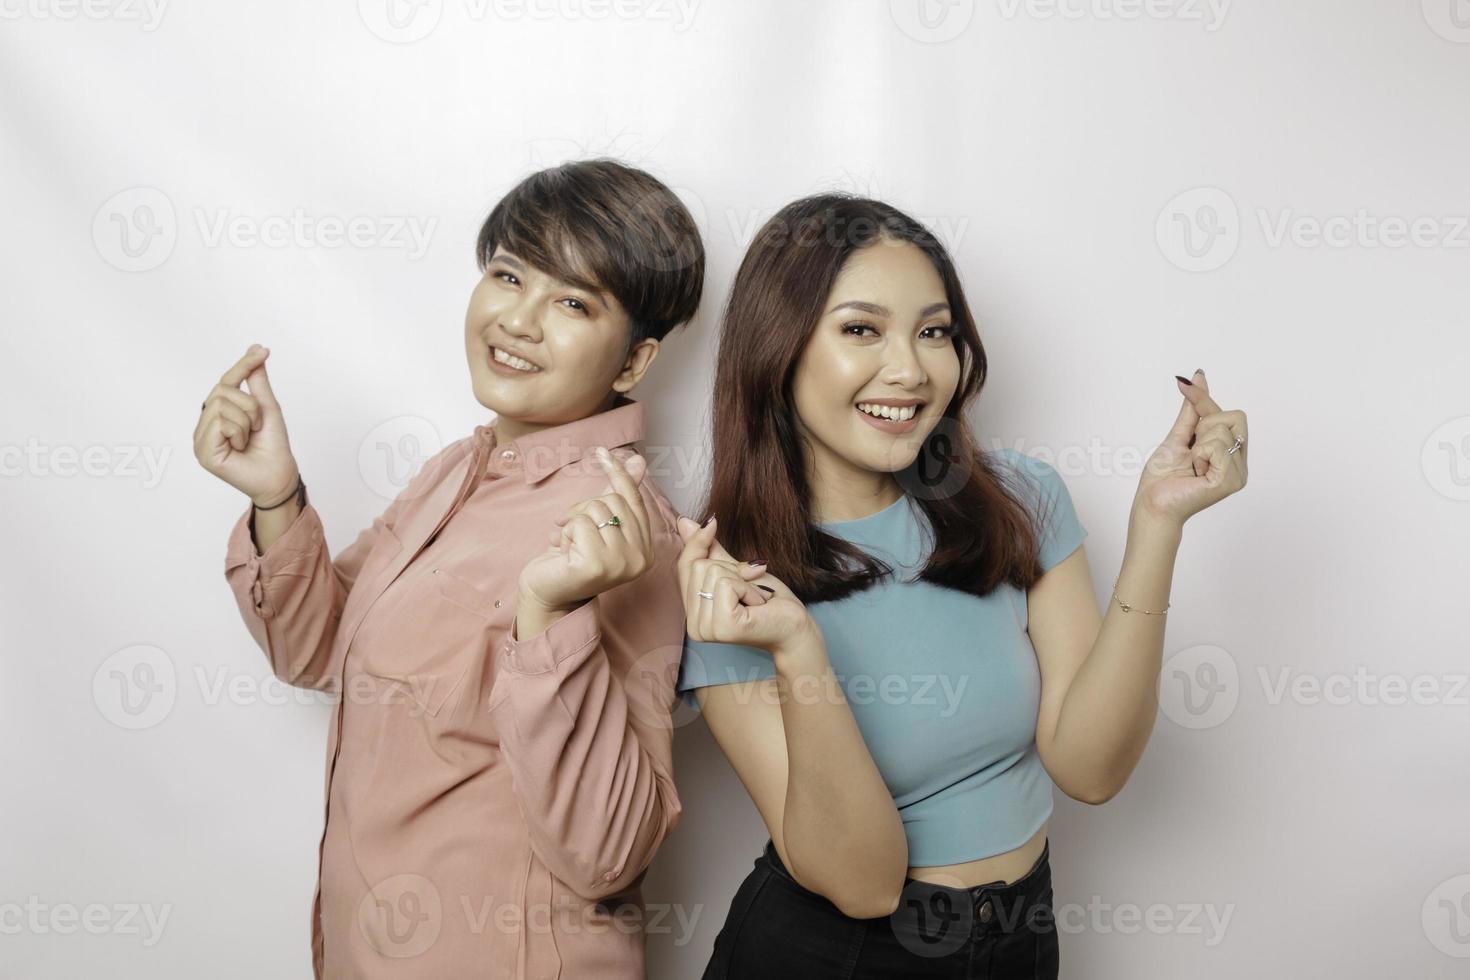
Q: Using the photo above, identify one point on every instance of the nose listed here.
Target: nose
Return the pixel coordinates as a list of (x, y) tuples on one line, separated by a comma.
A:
[(520, 319), (901, 366)]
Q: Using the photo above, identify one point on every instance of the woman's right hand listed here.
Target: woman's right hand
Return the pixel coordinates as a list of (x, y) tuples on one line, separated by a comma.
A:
[(764, 614), (241, 436)]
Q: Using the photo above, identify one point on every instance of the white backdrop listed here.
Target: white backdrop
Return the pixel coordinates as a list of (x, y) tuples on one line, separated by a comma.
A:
[(1275, 192)]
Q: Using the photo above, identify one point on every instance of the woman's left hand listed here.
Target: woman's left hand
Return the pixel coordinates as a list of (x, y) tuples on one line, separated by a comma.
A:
[(585, 560), (1194, 466)]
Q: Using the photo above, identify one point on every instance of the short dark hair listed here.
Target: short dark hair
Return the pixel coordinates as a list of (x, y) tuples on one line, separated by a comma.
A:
[(603, 225)]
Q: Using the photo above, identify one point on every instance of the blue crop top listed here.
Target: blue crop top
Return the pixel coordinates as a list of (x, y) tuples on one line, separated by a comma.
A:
[(944, 685)]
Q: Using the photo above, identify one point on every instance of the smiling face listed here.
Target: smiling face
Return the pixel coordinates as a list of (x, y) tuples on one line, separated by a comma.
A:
[(544, 352), (884, 342)]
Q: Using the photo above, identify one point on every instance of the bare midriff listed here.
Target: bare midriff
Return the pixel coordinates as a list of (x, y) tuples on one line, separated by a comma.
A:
[(1005, 867)]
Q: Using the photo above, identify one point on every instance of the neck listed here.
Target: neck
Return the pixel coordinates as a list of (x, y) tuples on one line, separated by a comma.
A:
[(843, 492), (509, 429)]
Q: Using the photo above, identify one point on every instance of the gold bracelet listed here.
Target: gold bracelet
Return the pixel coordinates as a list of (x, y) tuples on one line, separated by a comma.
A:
[(1128, 608)]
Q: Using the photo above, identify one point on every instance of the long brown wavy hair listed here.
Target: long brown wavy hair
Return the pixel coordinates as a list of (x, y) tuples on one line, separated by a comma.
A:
[(983, 532)]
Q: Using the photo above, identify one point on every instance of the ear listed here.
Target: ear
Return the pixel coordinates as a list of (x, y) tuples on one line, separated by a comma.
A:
[(640, 357)]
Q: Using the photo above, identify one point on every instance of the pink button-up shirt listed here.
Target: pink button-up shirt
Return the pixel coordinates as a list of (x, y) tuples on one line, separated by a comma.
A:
[(491, 805)]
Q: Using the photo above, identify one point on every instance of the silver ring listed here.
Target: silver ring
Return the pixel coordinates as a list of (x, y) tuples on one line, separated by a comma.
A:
[(706, 595), (1238, 443), (613, 520)]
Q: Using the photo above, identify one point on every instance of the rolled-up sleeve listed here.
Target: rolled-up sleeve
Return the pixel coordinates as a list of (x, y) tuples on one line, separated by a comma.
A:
[(584, 715)]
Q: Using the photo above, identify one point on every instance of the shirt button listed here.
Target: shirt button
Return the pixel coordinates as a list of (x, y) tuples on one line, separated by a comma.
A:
[(986, 911), (508, 454), (497, 603)]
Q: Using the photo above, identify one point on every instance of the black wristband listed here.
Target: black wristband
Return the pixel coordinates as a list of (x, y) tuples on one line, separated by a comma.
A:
[(299, 493)]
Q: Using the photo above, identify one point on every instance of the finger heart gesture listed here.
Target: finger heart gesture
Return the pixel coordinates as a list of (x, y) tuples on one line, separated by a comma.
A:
[(1201, 461), (730, 601), (598, 544)]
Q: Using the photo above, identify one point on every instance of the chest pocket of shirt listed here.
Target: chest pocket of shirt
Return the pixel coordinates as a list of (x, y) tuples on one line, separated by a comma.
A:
[(434, 639)]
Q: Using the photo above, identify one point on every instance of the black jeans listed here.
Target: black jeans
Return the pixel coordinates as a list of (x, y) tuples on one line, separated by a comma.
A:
[(778, 929)]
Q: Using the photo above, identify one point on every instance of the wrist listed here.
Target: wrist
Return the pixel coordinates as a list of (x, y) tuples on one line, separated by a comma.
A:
[(528, 600), (1149, 528), (281, 498), (803, 652)]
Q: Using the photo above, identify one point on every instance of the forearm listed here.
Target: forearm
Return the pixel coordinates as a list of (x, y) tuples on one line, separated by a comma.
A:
[(598, 801), (1110, 708), (842, 832)]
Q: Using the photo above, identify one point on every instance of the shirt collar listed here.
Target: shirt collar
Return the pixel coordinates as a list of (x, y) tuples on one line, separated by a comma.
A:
[(543, 452)]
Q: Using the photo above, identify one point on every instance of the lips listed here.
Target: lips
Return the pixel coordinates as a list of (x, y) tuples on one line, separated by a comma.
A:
[(892, 409), (891, 426), (514, 362)]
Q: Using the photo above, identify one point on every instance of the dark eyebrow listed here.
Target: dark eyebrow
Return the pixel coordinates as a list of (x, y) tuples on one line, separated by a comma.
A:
[(575, 282), (877, 310)]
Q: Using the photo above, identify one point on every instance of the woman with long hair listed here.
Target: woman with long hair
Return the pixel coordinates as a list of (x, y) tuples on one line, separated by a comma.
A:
[(910, 654)]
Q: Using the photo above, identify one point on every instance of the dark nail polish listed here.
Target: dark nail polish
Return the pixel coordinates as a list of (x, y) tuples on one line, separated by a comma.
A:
[(756, 561), (1185, 380), (766, 588)]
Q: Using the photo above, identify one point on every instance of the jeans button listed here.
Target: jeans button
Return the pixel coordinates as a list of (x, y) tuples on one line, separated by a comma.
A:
[(985, 912)]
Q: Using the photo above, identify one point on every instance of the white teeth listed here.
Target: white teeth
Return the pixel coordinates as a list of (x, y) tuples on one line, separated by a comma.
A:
[(888, 412), (520, 364)]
